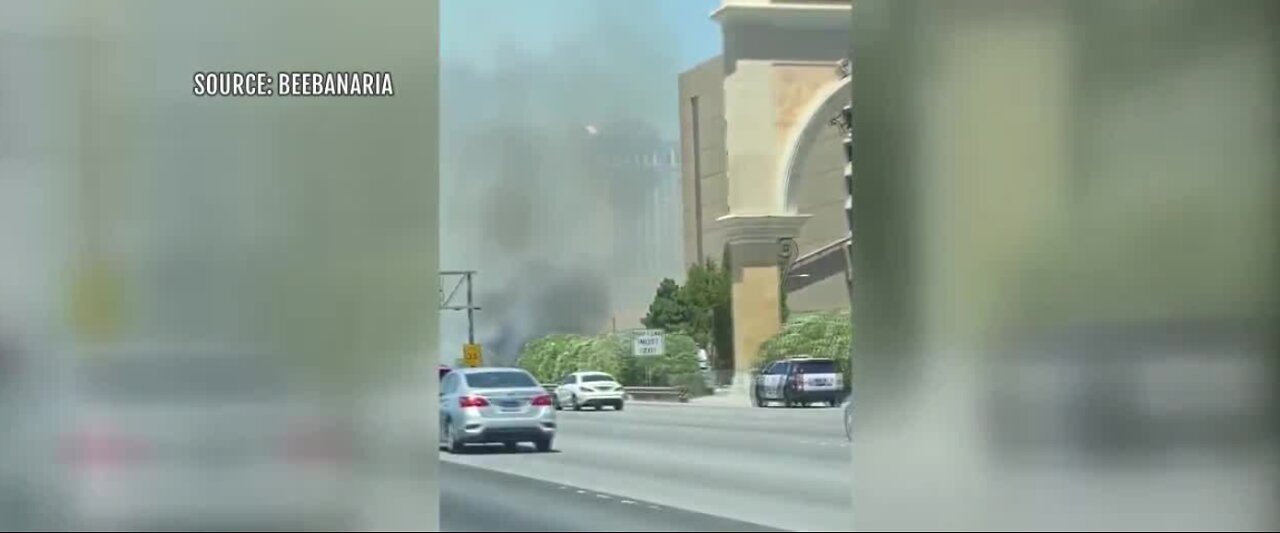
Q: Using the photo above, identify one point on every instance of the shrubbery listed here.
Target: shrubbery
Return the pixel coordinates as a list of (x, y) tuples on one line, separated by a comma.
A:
[(822, 334), (552, 357)]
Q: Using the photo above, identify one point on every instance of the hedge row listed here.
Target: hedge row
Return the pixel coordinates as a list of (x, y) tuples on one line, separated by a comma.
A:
[(822, 334), (552, 357)]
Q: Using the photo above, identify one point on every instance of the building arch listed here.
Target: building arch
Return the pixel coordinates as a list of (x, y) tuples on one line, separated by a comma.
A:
[(817, 117)]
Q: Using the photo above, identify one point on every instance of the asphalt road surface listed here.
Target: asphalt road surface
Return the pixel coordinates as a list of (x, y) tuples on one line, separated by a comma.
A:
[(475, 499), (777, 468)]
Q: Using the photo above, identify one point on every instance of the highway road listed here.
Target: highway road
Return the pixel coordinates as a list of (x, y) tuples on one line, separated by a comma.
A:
[(681, 467), (475, 499)]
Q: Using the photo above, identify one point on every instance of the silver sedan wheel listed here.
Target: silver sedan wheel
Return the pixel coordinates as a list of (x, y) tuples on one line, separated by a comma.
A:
[(455, 446)]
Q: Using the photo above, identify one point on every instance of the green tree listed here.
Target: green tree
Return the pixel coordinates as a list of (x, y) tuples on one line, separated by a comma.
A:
[(700, 309), (668, 312), (706, 290), (690, 308), (722, 329)]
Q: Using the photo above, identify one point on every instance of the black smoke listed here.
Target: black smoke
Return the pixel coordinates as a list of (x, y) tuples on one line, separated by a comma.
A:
[(526, 200), (562, 301)]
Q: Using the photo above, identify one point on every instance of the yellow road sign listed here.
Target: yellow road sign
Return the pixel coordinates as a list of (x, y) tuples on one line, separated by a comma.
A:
[(472, 355)]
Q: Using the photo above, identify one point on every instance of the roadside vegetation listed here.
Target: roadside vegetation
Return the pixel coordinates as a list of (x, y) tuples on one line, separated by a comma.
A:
[(692, 315), (552, 357), (819, 334)]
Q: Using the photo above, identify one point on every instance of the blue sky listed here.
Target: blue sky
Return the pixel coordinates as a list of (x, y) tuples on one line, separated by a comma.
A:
[(473, 31)]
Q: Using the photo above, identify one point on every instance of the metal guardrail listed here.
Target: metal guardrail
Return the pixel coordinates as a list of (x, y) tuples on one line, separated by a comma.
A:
[(664, 394), (668, 394)]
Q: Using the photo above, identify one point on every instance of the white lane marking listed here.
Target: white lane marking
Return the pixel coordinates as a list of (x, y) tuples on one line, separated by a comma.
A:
[(606, 497)]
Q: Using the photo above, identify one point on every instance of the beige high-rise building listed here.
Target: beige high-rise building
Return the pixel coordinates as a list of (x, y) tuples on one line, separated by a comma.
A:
[(761, 161)]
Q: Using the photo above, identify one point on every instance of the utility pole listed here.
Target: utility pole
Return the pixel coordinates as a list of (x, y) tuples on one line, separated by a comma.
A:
[(446, 304), (471, 312)]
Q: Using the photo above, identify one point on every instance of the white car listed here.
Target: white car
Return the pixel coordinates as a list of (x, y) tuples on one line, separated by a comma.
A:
[(589, 389)]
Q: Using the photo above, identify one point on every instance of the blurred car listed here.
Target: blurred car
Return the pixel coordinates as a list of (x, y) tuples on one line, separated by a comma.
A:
[(1190, 384), (495, 405), (704, 368), (590, 389), (30, 411), (800, 381), (182, 439)]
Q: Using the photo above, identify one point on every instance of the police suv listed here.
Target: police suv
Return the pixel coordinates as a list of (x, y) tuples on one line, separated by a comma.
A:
[(799, 381)]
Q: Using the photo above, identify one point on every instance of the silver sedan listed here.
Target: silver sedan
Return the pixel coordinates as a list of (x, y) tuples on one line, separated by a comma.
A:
[(495, 405)]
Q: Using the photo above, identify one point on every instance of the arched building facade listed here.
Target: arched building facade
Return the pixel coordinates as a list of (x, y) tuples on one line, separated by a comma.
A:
[(761, 163)]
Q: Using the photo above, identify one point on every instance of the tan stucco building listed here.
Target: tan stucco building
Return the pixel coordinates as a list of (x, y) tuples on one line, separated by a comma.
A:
[(760, 160)]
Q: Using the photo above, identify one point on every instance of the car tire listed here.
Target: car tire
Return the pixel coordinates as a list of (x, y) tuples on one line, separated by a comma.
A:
[(542, 445), (555, 402), (575, 405), (618, 406), (760, 401), (455, 444)]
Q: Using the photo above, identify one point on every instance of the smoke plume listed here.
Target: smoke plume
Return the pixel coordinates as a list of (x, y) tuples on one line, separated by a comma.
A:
[(526, 200)]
